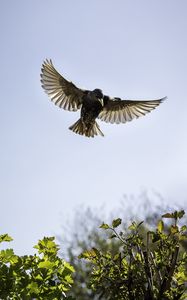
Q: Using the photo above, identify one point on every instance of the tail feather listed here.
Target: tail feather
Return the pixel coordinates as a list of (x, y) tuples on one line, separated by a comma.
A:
[(80, 128)]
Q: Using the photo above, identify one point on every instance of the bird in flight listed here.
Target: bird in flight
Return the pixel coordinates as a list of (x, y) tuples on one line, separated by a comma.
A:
[(93, 104)]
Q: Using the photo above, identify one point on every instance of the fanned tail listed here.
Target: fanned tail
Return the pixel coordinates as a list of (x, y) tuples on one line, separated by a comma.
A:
[(90, 131)]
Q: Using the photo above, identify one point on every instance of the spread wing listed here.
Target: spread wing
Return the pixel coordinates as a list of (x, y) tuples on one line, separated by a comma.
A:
[(118, 111), (61, 91)]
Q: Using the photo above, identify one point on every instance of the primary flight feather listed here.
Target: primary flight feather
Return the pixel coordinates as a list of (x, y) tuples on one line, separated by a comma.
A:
[(93, 104)]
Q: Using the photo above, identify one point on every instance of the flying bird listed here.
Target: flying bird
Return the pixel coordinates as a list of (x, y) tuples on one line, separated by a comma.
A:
[(93, 104)]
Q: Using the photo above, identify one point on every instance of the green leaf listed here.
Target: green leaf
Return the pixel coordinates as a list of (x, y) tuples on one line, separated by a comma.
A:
[(97, 252), (39, 277), (8, 255), (175, 215), (33, 287), (89, 254), (117, 257), (68, 278), (46, 264), (168, 215), (183, 228), (69, 267), (183, 237), (174, 229), (112, 236), (156, 237), (133, 226), (140, 223), (47, 246), (160, 226), (104, 226), (138, 257), (5, 238), (116, 222), (180, 214)]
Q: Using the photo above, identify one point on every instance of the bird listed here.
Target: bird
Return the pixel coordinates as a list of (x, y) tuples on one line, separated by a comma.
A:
[(92, 104)]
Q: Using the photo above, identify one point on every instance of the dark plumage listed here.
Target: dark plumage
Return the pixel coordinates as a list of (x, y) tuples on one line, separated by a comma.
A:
[(93, 104)]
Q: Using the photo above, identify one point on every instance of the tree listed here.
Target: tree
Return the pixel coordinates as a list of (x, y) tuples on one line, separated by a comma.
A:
[(41, 276), (82, 234), (151, 271), (129, 263)]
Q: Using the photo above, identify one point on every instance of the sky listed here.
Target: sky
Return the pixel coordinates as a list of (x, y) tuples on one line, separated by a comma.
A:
[(130, 49)]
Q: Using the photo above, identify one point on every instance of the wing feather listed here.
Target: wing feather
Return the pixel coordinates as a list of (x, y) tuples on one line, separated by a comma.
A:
[(62, 92), (120, 111)]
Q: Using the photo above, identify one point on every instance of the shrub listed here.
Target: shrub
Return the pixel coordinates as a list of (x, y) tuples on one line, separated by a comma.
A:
[(40, 276), (143, 268)]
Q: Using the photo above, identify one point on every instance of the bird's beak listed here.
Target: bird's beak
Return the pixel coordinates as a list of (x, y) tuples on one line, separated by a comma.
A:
[(101, 101)]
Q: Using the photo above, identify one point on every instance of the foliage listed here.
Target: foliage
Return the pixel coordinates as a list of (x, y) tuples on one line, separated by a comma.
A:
[(151, 269), (122, 262), (41, 276), (83, 234)]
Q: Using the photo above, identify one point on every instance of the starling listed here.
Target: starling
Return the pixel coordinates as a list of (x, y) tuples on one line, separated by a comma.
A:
[(93, 104)]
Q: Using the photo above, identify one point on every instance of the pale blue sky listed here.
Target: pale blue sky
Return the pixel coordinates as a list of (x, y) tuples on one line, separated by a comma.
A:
[(130, 49)]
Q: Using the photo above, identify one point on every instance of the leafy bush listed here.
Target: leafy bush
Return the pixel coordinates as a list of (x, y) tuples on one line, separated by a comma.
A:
[(149, 269), (78, 236), (128, 263), (42, 276)]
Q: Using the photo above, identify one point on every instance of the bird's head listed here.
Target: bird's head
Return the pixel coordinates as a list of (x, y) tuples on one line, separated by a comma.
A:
[(98, 93)]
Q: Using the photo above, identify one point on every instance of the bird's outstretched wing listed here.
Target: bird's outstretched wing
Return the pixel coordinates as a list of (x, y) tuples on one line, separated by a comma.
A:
[(61, 91), (118, 111)]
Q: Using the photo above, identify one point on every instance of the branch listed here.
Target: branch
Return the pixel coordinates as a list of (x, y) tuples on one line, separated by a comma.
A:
[(167, 280)]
